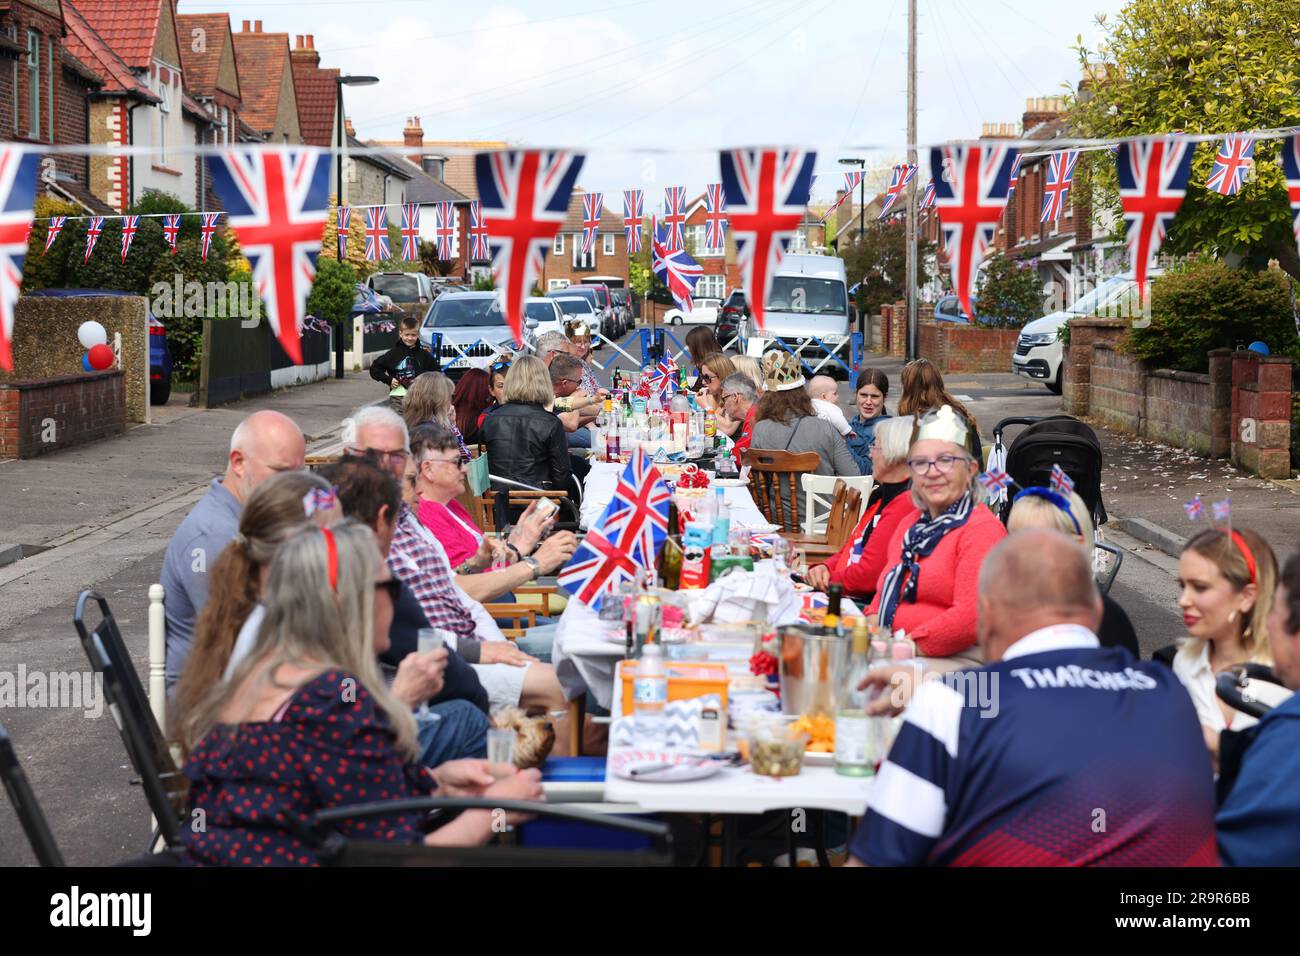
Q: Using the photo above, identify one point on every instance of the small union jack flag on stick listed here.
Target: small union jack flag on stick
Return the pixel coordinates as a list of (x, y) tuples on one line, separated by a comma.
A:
[(207, 229), (1231, 166), (171, 231), (56, 226), (995, 480), (1061, 482), (129, 226), (1194, 508), (1222, 510), (663, 375), (633, 213), (92, 236)]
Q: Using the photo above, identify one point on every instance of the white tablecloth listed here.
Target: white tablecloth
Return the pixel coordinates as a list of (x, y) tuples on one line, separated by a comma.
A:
[(598, 492)]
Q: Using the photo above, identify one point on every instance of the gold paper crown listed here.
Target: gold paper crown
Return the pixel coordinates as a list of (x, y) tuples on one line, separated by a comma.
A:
[(943, 425), (781, 371)]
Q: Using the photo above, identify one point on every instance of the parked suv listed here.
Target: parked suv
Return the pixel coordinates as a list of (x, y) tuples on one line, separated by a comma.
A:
[(597, 320), (412, 291), (613, 320), (733, 310), (474, 322)]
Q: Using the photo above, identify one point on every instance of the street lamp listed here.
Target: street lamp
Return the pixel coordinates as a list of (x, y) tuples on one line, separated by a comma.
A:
[(862, 197), (343, 81)]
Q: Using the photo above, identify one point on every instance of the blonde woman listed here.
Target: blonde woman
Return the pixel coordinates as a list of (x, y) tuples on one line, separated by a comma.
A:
[(306, 724), (525, 441), (428, 399), (713, 370), (748, 366)]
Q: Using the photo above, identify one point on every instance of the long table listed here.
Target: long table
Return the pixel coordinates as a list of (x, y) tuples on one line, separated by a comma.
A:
[(598, 492)]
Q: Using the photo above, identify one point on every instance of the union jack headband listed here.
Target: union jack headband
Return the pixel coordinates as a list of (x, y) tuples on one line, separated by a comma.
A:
[(320, 499), (1061, 502)]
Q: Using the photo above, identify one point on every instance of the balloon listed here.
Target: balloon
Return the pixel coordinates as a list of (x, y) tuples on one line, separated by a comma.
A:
[(90, 334), (85, 362), (100, 357), (1260, 347)]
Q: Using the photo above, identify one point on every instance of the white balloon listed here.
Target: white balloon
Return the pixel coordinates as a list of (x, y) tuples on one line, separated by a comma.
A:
[(91, 334)]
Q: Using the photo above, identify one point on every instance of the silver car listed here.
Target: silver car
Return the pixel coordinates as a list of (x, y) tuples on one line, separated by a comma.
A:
[(473, 330)]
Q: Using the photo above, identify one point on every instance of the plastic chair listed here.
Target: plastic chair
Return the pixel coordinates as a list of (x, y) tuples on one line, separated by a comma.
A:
[(819, 492), (776, 474), (30, 815)]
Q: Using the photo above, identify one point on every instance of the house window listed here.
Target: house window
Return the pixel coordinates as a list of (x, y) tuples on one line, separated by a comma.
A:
[(34, 84), (583, 260), (554, 284), (710, 287), (13, 35), (557, 246), (49, 53), (608, 244), (164, 114)]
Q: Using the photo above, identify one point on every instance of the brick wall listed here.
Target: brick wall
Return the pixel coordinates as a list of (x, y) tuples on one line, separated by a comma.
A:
[(1076, 381), (42, 416), (962, 348), (1261, 413), (73, 118), (24, 18)]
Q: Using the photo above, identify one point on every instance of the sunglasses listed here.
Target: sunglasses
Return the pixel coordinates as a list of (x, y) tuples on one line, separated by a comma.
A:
[(500, 366)]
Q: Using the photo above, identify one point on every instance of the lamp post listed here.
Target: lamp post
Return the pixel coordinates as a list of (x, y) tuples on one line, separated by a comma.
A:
[(862, 195), (343, 81)]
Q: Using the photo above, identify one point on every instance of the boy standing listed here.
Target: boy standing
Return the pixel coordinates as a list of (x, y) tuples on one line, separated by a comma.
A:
[(398, 367)]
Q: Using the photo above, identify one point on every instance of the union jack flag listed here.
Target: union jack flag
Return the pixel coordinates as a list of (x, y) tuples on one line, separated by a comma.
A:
[(1060, 175), (675, 216), (903, 174), (1015, 175), (92, 235), (444, 229), (17, 199), (172, 230), (767, 191), (625, 539), (927, 197), (715, 216), (1291, 171), (995, 480), (592, 206), (525, 196), (675, 269), (1232, 164), (1152, 183), (1222, 510), (1060, 481), (478, 235), (663, 375), (344, 227), (851, 182), (129, 226), (277, 201), (633, 212), (410, 231), (377, 247), (56, 226), (1194, 508), (207, 230), (971, 187)]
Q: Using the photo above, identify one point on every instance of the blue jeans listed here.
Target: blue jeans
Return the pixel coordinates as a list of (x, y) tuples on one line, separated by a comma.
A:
[(453, 730), (538, 641)]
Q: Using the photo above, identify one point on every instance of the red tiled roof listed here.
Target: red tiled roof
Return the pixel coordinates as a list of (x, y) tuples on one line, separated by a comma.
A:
[(316, 92), (129, 27), (203, 67), (85, 43), (261, 60)]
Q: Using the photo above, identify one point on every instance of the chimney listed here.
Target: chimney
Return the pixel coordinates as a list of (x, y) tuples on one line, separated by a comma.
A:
[(1041, 109), (311, 41), (347, 126), (257, 26), (247, 25), (413, 135)]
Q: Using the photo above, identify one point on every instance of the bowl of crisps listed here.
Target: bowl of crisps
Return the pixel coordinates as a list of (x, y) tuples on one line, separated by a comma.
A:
[(820, 729)]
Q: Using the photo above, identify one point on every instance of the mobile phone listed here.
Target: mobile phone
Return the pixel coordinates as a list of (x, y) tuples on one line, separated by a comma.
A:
[(546, 507)]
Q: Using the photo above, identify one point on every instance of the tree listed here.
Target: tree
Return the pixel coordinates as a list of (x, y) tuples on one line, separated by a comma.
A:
[(332, 293), (879, 259), (1200, 66), (41, 269), (1010, 292)]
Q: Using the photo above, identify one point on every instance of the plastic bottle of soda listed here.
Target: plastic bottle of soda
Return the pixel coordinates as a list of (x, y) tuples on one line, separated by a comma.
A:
[(650, 696)]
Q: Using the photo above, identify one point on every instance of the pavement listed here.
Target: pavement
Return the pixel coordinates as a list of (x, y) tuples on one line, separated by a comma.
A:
[(101, 516)]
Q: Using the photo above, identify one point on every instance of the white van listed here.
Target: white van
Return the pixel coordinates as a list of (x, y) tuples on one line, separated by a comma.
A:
[(809, 297)]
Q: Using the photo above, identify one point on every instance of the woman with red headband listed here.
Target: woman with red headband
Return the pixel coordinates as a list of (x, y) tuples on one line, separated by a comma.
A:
[(1227, 580)]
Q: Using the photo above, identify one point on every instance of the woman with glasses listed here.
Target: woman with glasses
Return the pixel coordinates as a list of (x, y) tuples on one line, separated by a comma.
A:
[(715, 369), (579, 334), (930, 591)]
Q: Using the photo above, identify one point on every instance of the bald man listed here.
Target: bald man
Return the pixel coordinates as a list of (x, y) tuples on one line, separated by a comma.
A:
[(262, 445), (1056, 752)]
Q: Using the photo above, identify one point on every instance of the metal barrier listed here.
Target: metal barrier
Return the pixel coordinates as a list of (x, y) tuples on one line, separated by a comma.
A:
[(836, 349)]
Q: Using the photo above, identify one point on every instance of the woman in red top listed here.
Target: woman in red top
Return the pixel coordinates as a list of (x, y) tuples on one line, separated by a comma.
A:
[(859, 563), (931, 589)]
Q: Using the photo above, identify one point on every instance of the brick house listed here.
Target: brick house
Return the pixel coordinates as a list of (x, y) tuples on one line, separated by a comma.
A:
[(212, 78), (270, 101), (567, 265)]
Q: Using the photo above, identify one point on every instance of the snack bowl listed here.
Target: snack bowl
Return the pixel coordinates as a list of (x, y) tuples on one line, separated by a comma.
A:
[(777, 750)]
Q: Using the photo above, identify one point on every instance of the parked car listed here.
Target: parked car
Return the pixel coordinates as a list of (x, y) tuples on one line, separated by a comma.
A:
[(1039, 351), (408, 290), (160, 353), (624, 299), (597, 317), (605, 303), (474, 322), (705, 312), (547, 313), (579, 307), (948, 309), (734, 310)]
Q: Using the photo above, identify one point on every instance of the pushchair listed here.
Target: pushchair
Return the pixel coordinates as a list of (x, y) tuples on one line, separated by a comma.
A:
[(1046, 442)]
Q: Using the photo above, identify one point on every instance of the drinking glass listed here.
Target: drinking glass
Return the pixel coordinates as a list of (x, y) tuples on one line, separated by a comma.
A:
[(501, 751), (429, 639)]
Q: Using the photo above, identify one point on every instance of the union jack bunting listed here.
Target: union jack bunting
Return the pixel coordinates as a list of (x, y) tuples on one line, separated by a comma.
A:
[(625, 539), (277, 201), (1235, 158), (207, 229), (444, 229), (851, 182), (927, 197), (995, 480), (971, 183), (633, 212), (1222, 510), (129, 226), (1291, 171), (675, 216), (171, 231), (377, 247), (1056, 191), (1015, 175), (525, 196), (17, 199), (92, 236), (715, 216), (1194, 508), (56, 226), (902, 175), (592, 205), (344, 226), (767, 191), (1060, 481), (675, 269), (478, 236), (410, 231), (1152, 183)]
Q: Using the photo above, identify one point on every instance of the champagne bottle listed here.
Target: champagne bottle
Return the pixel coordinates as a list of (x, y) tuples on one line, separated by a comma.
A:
[(831, 622), (852, 753)]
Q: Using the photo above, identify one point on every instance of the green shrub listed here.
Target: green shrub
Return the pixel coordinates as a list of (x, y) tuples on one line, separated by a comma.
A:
[(1203, 305), (1010, 293)]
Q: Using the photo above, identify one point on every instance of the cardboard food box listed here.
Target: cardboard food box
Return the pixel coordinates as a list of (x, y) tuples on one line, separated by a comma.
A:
[(686, 679)]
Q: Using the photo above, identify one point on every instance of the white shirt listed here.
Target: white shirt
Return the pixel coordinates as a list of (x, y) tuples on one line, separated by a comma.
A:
[(1198, 678), (830, 412), (1054, 637)]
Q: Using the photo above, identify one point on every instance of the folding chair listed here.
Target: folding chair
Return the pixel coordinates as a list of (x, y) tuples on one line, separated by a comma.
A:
[(146, 745), (30, 816)]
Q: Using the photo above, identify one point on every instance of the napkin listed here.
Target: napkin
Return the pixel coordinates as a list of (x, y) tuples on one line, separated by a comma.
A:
[(682, 716), (738, 597)]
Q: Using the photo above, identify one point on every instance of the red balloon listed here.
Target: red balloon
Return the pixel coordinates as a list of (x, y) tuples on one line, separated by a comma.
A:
[(101, 357)]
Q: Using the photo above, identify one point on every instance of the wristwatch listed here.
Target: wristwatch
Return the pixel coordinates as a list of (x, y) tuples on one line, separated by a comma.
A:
[(534, 564)]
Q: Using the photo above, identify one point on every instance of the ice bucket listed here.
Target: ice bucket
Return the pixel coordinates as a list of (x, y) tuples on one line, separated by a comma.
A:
[(813, 669)]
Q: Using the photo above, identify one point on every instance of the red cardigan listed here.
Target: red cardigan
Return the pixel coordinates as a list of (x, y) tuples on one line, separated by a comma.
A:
[(942, 619), (859, 579)]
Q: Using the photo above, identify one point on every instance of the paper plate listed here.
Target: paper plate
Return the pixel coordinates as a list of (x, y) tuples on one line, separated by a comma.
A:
[(813, 758), (681, 767), (729, 483)]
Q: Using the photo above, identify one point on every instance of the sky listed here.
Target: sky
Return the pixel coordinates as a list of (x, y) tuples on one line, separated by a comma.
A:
[(652, 89)]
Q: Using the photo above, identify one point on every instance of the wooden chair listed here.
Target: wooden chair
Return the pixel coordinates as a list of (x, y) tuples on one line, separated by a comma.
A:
[(846, 506), (484, 512), (776, 477)]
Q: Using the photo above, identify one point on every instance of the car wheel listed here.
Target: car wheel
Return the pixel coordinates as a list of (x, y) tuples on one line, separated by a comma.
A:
[(1055, 387), (159, 392)]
